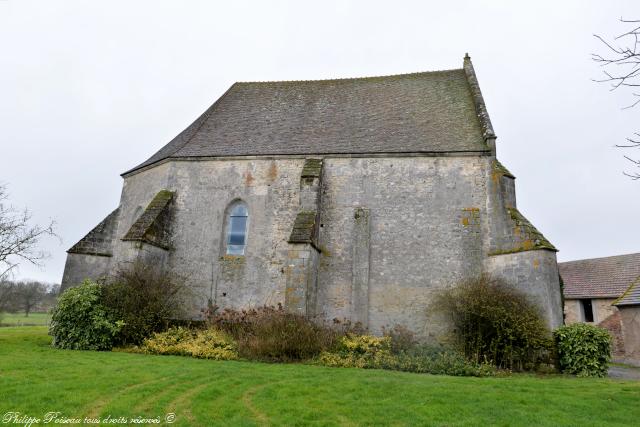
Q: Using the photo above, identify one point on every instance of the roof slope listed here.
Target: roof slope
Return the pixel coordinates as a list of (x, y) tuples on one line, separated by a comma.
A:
[(631, 296), (431, 112), (599, 277)]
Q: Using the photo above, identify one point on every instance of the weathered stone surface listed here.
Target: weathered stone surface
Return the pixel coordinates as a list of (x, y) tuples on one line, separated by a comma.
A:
[(535, 273), (79, 267), (304, 227), (99, 240), (431, 222), (630, 320), (361, 266), (153, 226)]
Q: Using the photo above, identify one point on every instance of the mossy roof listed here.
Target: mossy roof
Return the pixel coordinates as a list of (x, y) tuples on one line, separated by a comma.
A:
[(303, 228), (534, 239), (146, 227), (428, 112), (631, 296)]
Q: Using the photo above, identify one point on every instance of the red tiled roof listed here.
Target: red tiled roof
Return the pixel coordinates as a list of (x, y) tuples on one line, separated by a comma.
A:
[(607, 277)]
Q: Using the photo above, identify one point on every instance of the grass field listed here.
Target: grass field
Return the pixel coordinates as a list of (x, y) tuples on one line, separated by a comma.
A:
[(19, 319), (35, 379)]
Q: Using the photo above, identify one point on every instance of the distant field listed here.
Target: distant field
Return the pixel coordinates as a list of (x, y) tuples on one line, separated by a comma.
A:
[(36, 378), (19, 319)]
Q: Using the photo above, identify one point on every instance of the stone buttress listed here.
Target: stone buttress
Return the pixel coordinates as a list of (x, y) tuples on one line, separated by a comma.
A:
[(302, 259)]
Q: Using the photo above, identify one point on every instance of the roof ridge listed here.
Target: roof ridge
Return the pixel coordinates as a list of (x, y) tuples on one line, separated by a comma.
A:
[(604, 257), (341, 79)]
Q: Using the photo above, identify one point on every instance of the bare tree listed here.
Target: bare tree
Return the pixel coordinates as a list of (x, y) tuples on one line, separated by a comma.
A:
[(621, 68), (6, 294), (18, 238), (28, 295)]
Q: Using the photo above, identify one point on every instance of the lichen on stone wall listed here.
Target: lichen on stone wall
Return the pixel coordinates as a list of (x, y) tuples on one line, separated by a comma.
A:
[(470, 217)]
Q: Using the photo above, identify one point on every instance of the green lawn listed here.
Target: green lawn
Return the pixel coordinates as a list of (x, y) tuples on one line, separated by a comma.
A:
[(35, 378), (19, 319)]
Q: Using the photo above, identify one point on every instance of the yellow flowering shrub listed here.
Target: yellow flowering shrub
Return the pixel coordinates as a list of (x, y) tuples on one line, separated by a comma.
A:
[(203, 344), (366, 345), (359, 351), (369, 352)]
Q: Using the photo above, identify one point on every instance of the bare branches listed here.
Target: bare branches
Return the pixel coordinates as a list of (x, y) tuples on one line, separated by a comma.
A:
[(19, 239), (622, 70), (622, 61)]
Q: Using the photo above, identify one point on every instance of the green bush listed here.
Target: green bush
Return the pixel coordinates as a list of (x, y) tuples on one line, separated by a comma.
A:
[(79, 321), (273, 334), (145, 299), (583, 350), (497, 324), (370, 352), (203, 344)]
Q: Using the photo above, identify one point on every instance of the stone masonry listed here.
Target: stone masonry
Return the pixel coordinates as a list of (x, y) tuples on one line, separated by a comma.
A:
[(341, 224)]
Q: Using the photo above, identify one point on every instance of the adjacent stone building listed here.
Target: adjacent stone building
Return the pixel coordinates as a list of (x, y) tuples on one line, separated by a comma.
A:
[(606, 292), (351, 199)]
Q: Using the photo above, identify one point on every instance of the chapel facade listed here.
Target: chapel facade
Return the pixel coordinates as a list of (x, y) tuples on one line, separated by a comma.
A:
[(353, 199)]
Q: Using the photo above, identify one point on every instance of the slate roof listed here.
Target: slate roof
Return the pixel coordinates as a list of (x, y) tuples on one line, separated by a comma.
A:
[(631, 296), (429, 112), (606, 277)]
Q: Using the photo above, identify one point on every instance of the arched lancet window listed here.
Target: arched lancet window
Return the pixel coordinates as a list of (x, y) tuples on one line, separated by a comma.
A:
[(237, 229)]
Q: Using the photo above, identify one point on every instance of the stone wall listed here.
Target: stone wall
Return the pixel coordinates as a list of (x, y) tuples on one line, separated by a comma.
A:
[(602, 309), (79, 267), (613, 324), (389, 233), (424, 217), (630, 320), (203, 192), (536, 274)]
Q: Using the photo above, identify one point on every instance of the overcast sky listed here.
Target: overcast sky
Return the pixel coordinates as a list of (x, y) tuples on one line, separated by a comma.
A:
[(91, 89)]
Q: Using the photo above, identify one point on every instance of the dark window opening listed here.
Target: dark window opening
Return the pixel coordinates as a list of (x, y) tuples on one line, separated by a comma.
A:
[(587, 310), (237, 229)]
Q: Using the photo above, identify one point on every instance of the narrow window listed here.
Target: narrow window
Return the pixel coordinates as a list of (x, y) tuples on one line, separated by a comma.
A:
[(587, 310), (237, 229)]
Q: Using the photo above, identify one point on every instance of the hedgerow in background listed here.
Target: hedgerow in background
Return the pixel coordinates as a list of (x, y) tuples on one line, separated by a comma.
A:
[(202, 343), (583, 349), (79, 321), (495, 323)]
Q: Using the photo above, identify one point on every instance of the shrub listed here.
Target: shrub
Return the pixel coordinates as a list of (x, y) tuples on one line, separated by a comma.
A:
[(273, 334), (359, 351), (376, 353), (203, 344), (145, 299), (79, 321), (497, 324), (402, 339), (583, 350)]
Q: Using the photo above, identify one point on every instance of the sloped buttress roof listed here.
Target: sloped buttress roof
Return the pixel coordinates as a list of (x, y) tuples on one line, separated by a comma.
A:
[(607, 277), (430, 112)]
